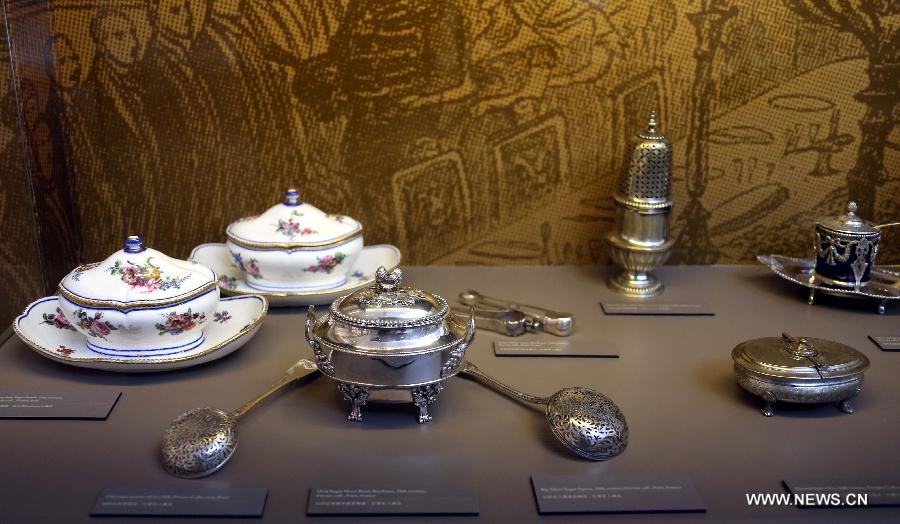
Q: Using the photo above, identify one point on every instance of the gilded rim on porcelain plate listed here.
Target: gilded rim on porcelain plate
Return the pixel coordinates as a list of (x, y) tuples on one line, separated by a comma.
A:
[(134, 361), (294, 246), (346, 287)]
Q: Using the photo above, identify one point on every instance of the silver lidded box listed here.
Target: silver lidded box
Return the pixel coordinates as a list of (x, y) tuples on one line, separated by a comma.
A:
[(639, 240), (802, 370), (389, 342)]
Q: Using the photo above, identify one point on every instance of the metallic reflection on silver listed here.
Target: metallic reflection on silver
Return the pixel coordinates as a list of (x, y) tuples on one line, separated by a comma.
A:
[(883, 284), (639, 240), (200, 442), (514, 318), (388, 341), (803, 370), (586, 422)]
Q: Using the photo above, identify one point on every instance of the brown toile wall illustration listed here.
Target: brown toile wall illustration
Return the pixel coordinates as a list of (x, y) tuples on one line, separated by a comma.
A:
[(469, 131)]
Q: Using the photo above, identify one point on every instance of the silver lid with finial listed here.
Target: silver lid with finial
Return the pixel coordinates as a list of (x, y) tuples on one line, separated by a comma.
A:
[(849, 223), (387, 304)]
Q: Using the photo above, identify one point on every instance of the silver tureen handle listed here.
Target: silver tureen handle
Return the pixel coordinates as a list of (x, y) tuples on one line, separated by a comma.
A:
[(458, 354), (322, 360)]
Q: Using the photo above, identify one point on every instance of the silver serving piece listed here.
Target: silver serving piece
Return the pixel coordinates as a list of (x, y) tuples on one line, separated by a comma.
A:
[(639, 241), (200, 442), (507, 322), (883, 284), (803, 370), (514, 318), (585, 421), (845, 249), (391, 343)]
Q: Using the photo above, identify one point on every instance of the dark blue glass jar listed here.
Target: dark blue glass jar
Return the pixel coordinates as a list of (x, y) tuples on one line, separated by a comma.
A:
[(846, 247)]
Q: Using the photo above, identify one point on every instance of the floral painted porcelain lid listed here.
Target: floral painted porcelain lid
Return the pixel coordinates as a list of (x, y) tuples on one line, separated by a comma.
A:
[(293, 224), (136, 276)]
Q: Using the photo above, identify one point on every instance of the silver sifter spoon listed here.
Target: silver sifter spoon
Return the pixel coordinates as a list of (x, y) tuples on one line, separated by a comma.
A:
[(585, 421), (200, 442)]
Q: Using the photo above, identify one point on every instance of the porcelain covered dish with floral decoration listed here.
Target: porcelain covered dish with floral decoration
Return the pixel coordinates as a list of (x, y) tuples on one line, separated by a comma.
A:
[(139, 300), (389, 342), (294, 246)]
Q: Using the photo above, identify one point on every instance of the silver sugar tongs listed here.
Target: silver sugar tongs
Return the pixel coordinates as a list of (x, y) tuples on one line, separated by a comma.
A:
[(513, 318), (508, 322)]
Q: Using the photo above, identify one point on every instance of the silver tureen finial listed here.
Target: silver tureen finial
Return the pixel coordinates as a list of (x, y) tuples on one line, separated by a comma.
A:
[(388, 281)]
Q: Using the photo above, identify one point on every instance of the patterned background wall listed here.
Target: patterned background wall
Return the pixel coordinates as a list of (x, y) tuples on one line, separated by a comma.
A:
[(463, 131)]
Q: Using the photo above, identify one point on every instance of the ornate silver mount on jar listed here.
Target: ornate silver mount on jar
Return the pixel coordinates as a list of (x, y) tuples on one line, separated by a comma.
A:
[(389, 343), (802, 370), (639, 240), (845, 248)]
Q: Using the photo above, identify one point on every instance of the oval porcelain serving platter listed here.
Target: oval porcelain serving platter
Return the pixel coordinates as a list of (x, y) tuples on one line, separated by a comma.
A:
[(45, 329), (231, 278)]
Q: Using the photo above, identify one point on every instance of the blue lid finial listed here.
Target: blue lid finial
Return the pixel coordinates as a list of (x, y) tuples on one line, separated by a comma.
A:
[(292, 197), (134, 244)]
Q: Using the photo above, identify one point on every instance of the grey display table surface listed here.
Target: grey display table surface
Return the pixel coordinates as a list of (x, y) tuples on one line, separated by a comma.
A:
[(673, 382)]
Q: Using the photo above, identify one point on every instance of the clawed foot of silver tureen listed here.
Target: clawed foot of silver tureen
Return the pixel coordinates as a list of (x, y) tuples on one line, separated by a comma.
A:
[(357, 396), (424, 395)]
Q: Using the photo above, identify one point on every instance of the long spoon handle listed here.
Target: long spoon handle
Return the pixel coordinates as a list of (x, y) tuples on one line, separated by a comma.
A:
[(471, 370), (300, 369), (892, 224)]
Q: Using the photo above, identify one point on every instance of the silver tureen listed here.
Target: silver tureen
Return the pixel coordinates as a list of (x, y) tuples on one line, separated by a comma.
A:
[(389, 342)]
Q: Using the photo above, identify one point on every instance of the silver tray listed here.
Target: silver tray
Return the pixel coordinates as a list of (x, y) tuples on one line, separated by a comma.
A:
[(883, 285)]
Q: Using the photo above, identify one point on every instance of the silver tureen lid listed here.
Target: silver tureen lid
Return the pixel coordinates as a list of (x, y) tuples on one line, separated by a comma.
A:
[(790, 358), (387, 304), (388, 318), (849, 223)]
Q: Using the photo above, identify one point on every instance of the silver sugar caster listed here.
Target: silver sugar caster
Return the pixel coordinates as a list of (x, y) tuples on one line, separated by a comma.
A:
[(639, 241)]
